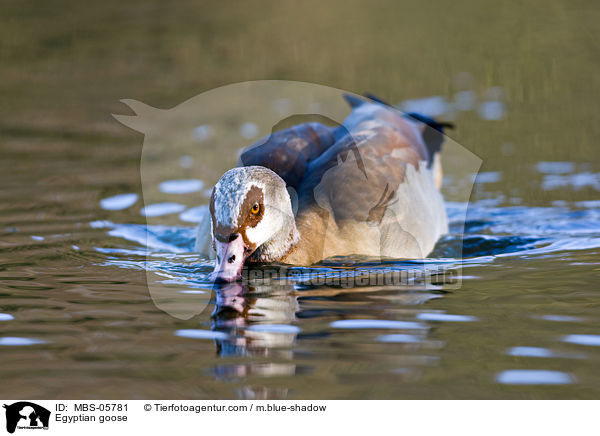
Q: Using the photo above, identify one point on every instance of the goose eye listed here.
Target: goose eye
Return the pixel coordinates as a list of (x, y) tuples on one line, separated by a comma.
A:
[(255, 209)]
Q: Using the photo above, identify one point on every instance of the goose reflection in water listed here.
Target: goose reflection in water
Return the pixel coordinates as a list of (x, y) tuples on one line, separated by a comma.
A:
[(256, 318), (258, 323), (261, 321)]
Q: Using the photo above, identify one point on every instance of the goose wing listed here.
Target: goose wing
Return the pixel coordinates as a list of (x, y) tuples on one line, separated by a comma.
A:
[(371, 192), (358, 176), (288, 152)]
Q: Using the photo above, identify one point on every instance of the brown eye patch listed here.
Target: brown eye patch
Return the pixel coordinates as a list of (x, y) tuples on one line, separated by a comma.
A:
[(253, 208)]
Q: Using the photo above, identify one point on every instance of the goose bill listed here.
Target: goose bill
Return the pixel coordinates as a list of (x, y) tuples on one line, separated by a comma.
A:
[(230, 260)]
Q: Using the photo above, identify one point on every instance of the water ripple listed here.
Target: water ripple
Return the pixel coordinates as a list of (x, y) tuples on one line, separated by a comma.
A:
[(534, 377), (376, 324), (274, 328), (118, 202), (560, 318), (181, 186), (445, 317), (541, 352), (399, 338), (160, 209), (590, 340), (12, 341), (200, 334)]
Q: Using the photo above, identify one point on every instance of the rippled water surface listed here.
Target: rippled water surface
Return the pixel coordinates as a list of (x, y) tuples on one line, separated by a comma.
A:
[(77, 258), (78, 319)]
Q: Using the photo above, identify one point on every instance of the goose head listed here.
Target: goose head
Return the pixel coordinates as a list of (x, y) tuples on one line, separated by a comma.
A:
[(251, 220)]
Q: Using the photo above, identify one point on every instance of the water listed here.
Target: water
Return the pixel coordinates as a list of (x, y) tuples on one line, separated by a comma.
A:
[(76, 317), (78, 320)]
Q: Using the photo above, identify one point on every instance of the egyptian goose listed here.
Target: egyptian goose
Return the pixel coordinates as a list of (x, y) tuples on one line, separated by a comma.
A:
[(309, 192)]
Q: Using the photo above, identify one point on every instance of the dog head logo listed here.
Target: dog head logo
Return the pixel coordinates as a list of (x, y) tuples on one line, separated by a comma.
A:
[(26, 415)]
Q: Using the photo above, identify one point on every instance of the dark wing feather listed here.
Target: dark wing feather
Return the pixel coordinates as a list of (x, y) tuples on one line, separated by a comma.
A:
[(358, 176), (353, 175), (288, 152)]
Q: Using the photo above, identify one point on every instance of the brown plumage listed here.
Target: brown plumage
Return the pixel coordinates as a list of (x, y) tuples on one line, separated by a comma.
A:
[(367, 187)]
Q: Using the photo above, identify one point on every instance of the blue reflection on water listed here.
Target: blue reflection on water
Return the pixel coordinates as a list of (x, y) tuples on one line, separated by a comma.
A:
[(118, 202), (445, 317), (11, 341), (534, 377), (200, 334), (590, 340), (376, 324), (399, 338)]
